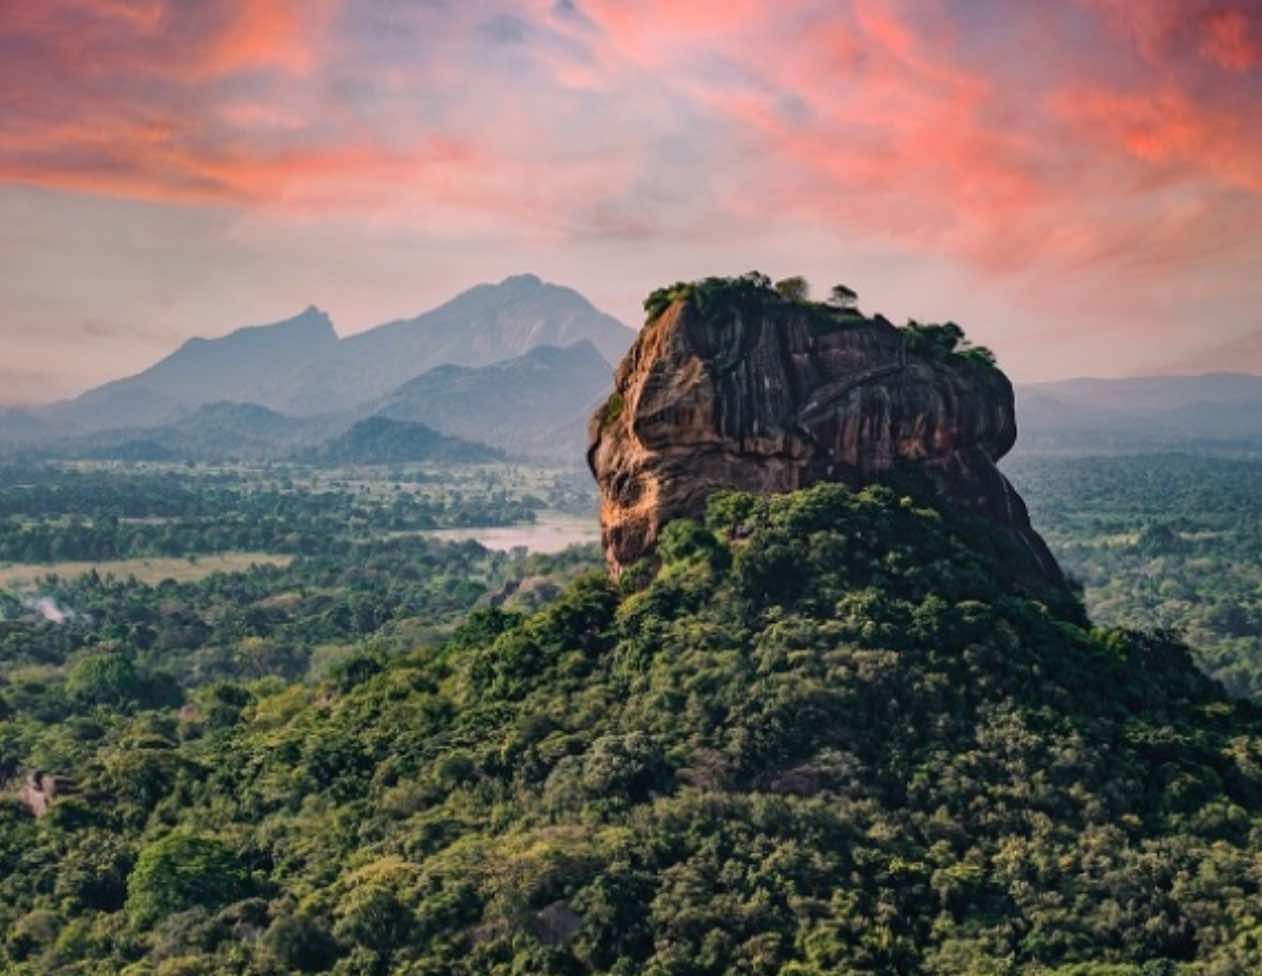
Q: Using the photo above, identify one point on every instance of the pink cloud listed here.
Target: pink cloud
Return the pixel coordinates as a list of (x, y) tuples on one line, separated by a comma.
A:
[(902, 135), (94, 39), (871, 117), (652, 31), (1230, 41), (1175, 136), (1225, 32)]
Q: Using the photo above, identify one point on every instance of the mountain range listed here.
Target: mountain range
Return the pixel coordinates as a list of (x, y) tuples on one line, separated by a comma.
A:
[(1211, 409), (300, 367), (516, 365), (535, 405)]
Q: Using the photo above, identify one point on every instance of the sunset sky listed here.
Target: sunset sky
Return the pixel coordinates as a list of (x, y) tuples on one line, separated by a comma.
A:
[(1078, 182)]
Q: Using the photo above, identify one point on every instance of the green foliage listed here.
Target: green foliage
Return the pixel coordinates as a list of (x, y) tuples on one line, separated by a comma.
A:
[(685, 540), (49, 513), (747, 294), (613, 409), (363, 568), (945, 341), (843, 296), (109, 679), (1166, 541), (794, 289), (662, 298), (182, 871), (751, 294), (831, 732)]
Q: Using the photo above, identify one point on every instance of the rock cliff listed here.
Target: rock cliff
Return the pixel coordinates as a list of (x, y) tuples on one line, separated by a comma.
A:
[(732, 386)]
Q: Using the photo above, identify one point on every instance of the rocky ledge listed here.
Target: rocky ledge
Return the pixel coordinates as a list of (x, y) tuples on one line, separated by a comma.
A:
[(733, 384)]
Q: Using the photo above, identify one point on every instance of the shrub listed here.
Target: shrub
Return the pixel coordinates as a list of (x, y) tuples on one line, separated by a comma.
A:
[(183, 871), (109, 679)]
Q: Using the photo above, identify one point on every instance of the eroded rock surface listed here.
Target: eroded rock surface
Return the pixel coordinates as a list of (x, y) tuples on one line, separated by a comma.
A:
[(40, 790), (775, 401)]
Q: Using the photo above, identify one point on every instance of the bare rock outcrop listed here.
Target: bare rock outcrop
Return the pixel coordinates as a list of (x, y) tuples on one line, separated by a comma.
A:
[(40, 790), (768, 395)]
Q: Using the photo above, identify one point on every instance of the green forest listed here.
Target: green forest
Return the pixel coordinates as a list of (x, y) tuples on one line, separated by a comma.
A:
[(52, 513), (827, 734), (1168, 542)]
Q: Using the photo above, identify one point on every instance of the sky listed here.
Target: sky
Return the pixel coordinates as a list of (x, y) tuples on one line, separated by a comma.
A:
[(1079, 182)]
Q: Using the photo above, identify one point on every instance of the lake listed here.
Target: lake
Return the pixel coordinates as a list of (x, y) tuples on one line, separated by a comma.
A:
[(551, 533)]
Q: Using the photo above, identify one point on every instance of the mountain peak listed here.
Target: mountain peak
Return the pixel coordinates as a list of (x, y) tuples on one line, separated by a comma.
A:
[(312, 324), (522, 281), (582, 352)]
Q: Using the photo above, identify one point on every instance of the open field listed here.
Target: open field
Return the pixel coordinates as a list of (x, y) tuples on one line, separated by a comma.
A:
[(152, 570)]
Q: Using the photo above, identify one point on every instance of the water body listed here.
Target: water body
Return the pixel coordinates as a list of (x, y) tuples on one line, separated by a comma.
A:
[(551, 533)]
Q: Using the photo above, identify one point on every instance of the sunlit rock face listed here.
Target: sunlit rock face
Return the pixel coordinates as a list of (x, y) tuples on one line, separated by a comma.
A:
[(773, 402)]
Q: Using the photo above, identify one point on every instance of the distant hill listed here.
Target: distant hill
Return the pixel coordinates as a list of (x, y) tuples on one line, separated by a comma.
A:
[(242, 366), (19, 426), (1215, 408), (380, 440), (214, 432), (246, 428), (1243, 355), (120, 405), (300, 367), (535, 404)]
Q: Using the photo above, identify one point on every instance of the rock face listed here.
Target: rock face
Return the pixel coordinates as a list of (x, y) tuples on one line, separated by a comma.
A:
[(774, 400), (41, 789)]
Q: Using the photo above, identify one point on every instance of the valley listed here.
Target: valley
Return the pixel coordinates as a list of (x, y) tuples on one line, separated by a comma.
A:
[(1161, 541)]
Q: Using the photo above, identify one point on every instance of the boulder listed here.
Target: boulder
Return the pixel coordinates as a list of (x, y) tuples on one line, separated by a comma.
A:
[(769, 395)]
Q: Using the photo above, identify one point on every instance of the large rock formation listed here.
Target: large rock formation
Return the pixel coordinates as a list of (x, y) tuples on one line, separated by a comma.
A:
[(763, 394)]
